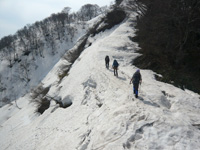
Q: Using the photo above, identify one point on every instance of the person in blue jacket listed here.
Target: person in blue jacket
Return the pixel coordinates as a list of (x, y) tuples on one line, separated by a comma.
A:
[(136, 80), (115, 67)]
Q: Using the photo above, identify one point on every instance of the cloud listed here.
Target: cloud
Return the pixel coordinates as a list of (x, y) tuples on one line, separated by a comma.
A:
[(28, 10), (15, 14), (7, 28)]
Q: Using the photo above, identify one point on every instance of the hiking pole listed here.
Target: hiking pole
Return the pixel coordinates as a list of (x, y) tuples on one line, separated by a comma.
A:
[(140, 87)]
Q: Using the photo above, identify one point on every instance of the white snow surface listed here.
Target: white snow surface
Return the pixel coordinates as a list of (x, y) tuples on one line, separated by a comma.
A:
[(104, 114)]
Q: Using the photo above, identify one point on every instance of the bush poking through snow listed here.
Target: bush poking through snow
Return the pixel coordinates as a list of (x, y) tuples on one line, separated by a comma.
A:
[(44, 104), (39, 98), (42, 100), (40, 91), (75, 52), (64, 72), (62, 75), (113, 18)]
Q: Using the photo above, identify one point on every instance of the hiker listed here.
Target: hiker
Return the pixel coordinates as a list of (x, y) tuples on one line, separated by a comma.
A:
[(136, 80), (107, 60), (115, 67)]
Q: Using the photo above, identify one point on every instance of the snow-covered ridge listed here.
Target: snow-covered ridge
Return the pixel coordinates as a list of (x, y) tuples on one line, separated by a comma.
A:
[(104, 114)]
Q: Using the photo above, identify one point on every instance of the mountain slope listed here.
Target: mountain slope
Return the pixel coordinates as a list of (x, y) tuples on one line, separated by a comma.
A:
[(27, 56), (104, 113)]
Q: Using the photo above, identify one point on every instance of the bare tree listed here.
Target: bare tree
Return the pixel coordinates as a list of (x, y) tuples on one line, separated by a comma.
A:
[(24, 71), (88, 12), (9, 56)]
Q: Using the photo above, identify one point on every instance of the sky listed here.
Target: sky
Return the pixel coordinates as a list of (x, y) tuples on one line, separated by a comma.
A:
[(15, 14)]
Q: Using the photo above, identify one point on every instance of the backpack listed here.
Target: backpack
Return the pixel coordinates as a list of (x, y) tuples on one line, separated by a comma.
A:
[(136, 78), (115, 63), (107, 59)]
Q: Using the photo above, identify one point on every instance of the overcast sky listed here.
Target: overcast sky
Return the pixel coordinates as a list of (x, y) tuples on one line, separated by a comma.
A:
[(15, 14)]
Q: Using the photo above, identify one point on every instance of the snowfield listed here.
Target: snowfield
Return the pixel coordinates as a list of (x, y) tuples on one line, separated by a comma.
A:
[(104, 114)]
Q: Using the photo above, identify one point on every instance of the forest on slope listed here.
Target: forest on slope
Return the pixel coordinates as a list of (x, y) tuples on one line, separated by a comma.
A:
[(33, 37), (169, 37), (32, 51)]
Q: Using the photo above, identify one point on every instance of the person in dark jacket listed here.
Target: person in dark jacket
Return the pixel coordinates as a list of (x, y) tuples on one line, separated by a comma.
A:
[(107, 60), (136, 80), (115, 67)]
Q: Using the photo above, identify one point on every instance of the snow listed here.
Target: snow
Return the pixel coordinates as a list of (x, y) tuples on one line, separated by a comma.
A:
[(104, 114), (13, 79)]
